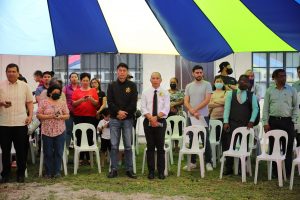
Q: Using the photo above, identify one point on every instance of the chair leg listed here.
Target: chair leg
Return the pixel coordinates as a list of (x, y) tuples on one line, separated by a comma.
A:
[(179, 164), (283, 170), (292, 175), (202, 169), (91, 159), (222, 166), (98, 161), (41, 163), (32, 152), (134, 163), (269, 166), (64, 160), (144, 160), (279, 172), (171, 155), (249, 166), (213, 153), (76, 161), (243, 167), (236, 165), (256, 171), (166, 163)]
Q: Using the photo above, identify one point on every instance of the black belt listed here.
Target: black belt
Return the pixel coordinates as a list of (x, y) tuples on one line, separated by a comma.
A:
[(280, 118)]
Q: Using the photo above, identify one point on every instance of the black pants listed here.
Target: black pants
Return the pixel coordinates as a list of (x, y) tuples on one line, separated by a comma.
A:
[(89, 120), (17, 135), (287, 125), (155, 137)]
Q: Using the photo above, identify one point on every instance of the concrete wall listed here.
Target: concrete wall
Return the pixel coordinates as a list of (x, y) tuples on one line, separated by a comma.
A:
[(240, 62), (164, 64), (27, 65)]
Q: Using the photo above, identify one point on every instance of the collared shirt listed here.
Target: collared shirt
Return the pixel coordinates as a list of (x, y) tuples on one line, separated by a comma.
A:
[(122, 96), (18, 93), (197, 93), (296, 85), (68, 91), (243, 95), (280, 103), (163, 101)]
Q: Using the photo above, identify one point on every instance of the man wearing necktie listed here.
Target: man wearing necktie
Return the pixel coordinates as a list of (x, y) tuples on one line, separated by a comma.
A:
[(155, 107)]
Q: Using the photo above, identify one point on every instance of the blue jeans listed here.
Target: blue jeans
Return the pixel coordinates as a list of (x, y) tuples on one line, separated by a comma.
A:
[(69, 130), (53, 148), (118, 127)]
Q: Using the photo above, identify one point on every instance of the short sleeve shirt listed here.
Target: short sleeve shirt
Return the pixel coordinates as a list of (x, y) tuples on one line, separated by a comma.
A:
[(85, 108)]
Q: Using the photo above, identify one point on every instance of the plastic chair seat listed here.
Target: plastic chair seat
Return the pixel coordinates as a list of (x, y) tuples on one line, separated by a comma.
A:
[(195, 147), (242, 152)]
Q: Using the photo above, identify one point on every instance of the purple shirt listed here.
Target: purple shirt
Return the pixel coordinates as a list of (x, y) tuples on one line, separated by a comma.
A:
[(68, 90)]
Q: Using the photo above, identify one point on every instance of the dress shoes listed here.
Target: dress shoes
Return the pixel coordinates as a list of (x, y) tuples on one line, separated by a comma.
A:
[(130, 174), (161, 176), (228, 172), (20, 179), (151, 175), (112, 174)]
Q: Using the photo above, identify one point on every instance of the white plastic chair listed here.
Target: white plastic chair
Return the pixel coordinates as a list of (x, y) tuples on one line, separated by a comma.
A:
[(241, 151), (64, 160), (214, 141), (140, 134), (296, 161), (175, 133), (195, 146), (276, 156), (168, 141), (167, 148), (84, 146), (122, 148)]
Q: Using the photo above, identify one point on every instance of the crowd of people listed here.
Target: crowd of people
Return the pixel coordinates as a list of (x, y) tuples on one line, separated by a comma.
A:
[(235, 103)]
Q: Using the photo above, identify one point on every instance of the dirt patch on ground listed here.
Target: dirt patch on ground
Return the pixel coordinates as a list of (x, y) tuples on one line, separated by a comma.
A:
[(61, 191)]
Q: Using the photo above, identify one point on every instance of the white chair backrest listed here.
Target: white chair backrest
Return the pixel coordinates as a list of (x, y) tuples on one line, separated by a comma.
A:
[(84, 127), (176, 119), (244, 133), (197, 140), (140, 126), (277, 134), (168, 133), (213, 124)]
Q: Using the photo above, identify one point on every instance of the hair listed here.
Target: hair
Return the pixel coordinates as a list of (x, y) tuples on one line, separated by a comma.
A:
[(51, 73), (105, 112), (157, 73), (298, 68), (85, 74), (22, 78), (38, 73), (12, 65), (99, 84), (276, 72), (197, 67), (175, 79), (53, 87), (72, 74), (214, 87), (224, 64), (243, 76), (247, 71), (122, 65)]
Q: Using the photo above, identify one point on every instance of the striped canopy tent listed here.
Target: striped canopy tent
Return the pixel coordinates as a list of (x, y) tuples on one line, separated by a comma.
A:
[(68, 27), (206, 30), (200, 30)]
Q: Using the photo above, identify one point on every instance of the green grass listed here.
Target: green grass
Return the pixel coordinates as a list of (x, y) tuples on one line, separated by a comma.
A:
[(189, 184)]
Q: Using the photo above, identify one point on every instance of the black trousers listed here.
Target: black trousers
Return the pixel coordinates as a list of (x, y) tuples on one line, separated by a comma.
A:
[(155, 137), (89, 120), (287, 125), (17, 135)]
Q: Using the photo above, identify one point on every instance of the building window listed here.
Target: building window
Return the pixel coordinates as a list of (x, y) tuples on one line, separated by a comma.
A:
[(264, 63), (101, 66)]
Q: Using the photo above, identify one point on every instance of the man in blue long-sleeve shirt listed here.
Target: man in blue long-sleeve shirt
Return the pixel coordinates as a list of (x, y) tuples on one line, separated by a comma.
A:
[(239, 111)]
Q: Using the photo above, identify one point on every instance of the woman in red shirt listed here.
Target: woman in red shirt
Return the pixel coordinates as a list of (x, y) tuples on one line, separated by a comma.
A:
[(85, 102)]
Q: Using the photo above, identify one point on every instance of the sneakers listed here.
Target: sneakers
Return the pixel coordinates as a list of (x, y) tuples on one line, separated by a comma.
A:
[(190, 167), (209, 167)]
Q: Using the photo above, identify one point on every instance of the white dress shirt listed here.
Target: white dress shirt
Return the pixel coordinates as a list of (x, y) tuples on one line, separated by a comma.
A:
[(163, 101)]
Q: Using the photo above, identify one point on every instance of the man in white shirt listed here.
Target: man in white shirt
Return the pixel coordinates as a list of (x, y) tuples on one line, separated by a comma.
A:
[(16, 108), (155, 106)]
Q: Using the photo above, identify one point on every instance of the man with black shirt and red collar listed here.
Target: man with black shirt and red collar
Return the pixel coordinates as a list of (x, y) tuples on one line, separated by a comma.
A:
[(122, 100)]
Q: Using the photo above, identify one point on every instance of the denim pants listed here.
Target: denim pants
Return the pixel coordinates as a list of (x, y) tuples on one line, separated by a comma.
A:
[(69, 130), (53, 148), (118, 128), (207, 152)]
